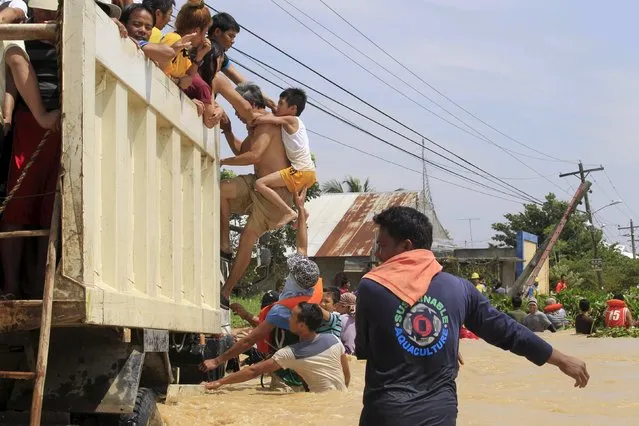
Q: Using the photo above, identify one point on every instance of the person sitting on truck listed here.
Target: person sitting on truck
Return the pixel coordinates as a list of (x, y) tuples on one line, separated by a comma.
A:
[(162, 11), (318, 358), (222, 35), (193, 19), (139, 22), (35, 74), (263, 148), (302, 284)]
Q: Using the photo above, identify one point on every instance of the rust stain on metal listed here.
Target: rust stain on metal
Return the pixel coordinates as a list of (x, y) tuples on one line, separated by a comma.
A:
[(355, 233)]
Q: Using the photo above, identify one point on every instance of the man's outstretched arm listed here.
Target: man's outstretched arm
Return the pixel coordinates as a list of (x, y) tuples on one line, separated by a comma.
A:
[(500, 330), (245, 374), (301, 238), (224, 87), (259, 333)]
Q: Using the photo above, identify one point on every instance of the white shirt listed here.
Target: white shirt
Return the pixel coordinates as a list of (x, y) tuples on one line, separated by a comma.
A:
[(318, 362), (15, 4), (298, 149)]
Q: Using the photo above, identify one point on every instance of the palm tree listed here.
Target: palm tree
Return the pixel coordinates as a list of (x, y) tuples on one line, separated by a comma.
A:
[(351, 183), (332, 186)]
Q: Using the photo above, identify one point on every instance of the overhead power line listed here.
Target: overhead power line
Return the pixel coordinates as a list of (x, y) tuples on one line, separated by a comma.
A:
[(439, 166), (477, 134), (473, 132), (506, 186), (438, 91), (531, 198)]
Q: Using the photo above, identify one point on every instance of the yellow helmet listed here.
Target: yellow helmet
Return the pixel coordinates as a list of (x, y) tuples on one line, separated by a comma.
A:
[(474, 276)]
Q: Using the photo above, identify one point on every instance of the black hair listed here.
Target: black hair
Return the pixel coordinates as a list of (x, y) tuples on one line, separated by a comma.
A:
[(224, 22), (128, 11), (497, 284), (584, 305), (516, 302), (340, 279), (269, 298), (334, 292), (618, 296), (311, 315), (406, 223), (295, 96), (162, 5)]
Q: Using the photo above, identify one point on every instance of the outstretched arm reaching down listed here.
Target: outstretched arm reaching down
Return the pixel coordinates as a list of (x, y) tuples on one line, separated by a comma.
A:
[(302, 230)]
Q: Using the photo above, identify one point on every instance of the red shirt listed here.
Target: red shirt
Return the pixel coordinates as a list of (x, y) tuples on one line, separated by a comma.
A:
[(561, 286), (616, 314)]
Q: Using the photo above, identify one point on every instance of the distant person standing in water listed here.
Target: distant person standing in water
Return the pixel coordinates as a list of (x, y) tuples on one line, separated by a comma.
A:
[(409, 314)]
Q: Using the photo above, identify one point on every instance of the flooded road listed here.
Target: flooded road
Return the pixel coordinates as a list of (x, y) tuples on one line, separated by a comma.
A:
[(494, 387)]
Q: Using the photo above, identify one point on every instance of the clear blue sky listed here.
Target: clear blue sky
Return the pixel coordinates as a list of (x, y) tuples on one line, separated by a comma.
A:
[(561, 77)]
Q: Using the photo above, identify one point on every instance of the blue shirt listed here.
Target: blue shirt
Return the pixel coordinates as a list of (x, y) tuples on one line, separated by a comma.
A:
[(279, 315), (333, 325), (411, 352)]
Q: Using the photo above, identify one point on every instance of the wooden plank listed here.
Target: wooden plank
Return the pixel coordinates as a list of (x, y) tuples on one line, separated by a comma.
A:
[(23, 234), (209, 231), (188, 247), (165, 211), (78, 125), (28, 31), (17, 375), (139, 311), (18, 315), (176, 214), (196, 208)]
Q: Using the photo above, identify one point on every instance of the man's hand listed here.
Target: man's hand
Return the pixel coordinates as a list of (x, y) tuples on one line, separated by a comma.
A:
[(203, 49), (239, 310), (121, 28), (212, 115), (212, 385), (300, 198), (225, 123), (571, 367), (271, 104), (209, 364), (200, 107), (185, 82), (183, 43)]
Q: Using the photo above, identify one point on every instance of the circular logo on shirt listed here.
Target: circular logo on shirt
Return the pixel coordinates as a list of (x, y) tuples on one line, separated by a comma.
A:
[(422, 330)]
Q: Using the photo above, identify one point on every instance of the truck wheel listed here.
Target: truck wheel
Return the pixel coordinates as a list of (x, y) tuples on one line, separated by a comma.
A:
[(145, 412)]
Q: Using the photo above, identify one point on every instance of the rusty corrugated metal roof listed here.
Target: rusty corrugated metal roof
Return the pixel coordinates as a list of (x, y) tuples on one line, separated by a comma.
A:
[(354, 234)]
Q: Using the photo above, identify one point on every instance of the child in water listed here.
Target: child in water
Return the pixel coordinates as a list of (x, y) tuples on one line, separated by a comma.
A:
[(302, 171)]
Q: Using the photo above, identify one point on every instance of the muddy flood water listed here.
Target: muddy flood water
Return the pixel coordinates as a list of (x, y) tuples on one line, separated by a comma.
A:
[(495, 388)]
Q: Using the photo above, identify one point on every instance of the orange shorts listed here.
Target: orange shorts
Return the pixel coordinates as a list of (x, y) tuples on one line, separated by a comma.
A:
[(295, 180)]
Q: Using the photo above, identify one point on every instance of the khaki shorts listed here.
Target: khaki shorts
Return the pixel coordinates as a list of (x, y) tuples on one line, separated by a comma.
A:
[(4, 47), (263, 216)]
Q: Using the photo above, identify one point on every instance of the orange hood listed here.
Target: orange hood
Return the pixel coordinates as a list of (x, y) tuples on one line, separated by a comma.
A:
[(614, 303), (407, 275)]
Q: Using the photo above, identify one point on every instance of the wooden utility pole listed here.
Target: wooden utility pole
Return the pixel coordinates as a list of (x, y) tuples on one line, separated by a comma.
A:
[(595, 245), (632, 228)]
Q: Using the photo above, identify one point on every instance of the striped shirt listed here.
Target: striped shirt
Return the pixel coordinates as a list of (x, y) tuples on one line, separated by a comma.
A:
[(333, 325)]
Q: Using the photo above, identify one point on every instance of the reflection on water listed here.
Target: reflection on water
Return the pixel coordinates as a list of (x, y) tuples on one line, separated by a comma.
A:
[(495, 387)]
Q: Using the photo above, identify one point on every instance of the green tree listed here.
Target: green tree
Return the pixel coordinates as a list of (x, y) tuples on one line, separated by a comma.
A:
[(574, 240), (349, 184)]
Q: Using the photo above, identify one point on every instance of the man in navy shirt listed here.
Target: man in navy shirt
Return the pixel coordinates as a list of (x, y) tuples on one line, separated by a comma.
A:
[(409, 314)]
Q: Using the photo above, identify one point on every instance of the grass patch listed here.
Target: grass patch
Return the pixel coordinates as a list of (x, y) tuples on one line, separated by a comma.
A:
[(251, 304)]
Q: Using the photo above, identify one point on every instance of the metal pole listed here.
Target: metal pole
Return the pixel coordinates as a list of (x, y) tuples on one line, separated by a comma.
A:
[(632, 238)]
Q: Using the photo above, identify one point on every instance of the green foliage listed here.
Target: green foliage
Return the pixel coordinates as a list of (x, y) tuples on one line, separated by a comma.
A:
[(251, 304), (573, 241), (349, 184), (616, 332)]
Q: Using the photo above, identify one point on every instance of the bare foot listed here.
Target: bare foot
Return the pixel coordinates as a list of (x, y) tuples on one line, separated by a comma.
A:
[(289, 217), (50, 120)]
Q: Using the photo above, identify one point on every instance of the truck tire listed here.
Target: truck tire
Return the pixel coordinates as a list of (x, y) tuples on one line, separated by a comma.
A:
[(145, 412)]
